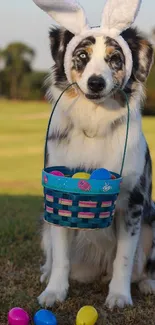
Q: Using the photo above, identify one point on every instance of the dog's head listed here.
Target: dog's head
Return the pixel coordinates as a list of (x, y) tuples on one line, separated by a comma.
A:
[(98, 63), (100, 60)]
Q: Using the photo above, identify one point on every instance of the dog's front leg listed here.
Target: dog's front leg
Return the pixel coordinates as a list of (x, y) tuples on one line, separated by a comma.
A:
[(128, 230), (57, 287)]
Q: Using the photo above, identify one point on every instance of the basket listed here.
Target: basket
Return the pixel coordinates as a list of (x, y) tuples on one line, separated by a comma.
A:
[(76, 203)]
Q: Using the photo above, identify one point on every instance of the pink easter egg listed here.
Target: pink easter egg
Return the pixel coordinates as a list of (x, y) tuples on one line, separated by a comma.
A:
[(45, 179), (84, 186), (57, 173), (113, 176), (18, 316)]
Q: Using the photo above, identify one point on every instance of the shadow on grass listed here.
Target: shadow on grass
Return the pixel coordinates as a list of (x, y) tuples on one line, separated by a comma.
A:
[(20, 258), (19, 226), (19, 252)]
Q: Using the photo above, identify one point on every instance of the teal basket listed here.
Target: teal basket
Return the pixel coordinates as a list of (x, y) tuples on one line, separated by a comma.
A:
[(77, 203)]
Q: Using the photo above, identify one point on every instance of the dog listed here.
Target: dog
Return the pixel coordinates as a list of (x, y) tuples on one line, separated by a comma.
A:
[(88, 132)]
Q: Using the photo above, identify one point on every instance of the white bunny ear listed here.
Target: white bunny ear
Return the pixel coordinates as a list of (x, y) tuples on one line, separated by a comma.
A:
[(118, 15), (67, 13)]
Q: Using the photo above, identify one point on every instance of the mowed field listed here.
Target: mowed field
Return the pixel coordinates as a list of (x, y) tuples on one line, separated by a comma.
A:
[(22, 134)]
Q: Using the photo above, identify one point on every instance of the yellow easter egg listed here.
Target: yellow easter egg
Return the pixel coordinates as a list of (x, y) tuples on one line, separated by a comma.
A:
[(87, 315), (81, 175)]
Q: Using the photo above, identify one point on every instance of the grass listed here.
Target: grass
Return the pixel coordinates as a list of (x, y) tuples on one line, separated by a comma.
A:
[(22, 127)]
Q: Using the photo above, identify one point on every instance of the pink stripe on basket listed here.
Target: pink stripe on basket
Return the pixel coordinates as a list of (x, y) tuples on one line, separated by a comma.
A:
[(86, 215), (87, 204), (65, 213), (50, 210), (49, 198), (104, 214), (106, 204), (65, 202)]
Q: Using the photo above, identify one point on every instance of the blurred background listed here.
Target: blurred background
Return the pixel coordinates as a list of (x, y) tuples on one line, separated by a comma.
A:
[(24, 62)]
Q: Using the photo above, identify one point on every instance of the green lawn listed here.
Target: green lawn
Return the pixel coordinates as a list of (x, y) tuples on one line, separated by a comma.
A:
[(22, 128), (22, 133)]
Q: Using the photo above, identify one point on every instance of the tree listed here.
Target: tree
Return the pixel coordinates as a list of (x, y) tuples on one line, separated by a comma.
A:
[(17, 59), (153, 36), (31, 87), (150, 102)]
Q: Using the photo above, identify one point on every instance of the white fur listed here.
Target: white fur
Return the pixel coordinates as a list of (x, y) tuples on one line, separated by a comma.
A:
[(58, 280), (94, 143), (100, 67), (119, 289), (117, 16), (101, 148), (68, 13), (96, 32)]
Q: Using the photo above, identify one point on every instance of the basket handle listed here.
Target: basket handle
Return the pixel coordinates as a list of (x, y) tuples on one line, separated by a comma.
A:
[(127, 130), (49, 122), (127, 127)]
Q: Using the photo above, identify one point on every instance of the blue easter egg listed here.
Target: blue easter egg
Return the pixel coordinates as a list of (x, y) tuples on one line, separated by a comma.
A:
[(100, 174), (44, 317)]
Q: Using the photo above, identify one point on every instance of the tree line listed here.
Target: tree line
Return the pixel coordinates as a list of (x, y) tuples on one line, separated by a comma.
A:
[(19, 81)]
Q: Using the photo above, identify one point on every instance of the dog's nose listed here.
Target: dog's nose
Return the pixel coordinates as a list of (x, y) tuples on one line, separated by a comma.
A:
[(96, 83)]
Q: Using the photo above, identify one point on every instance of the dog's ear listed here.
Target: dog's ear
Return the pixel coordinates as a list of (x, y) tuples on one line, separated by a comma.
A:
[(59, 39), (142, 53)]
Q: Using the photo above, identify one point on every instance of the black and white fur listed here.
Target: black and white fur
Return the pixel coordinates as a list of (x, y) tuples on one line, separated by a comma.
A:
[(88, 130)]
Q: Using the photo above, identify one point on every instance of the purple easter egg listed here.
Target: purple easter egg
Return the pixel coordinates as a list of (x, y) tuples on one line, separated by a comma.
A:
[(57, 173), (84, 186)]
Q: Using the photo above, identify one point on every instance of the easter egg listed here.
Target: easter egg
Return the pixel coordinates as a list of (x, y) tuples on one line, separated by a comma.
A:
[(81, 175), (84, 186), (100, 174), (45, 179), (87, 315), (44, 317), (113, 176), (17, 316), (57, 173)]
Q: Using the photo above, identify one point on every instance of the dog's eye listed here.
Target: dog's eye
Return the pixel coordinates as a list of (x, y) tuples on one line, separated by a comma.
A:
[(116, 60), (82, 55)]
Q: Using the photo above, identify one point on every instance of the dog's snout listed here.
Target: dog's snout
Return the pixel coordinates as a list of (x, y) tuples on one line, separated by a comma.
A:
[(96, 83)]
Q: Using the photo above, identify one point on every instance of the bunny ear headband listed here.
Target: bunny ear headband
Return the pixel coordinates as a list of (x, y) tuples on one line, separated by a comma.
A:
[(117, 16)]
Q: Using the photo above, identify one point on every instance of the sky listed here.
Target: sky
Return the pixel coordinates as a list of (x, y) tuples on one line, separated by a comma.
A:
[(22, 20)]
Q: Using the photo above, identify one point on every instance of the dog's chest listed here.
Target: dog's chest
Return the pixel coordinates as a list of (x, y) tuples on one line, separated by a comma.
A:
[(78, 149), (84, 150)]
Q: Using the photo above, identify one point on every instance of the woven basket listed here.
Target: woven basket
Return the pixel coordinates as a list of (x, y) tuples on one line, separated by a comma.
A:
[(79, 204)]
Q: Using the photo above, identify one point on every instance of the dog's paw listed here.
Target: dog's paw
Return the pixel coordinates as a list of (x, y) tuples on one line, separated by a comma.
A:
[(118, 300), (49, 296), (44, 277), (45, 273), (147, 286)]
